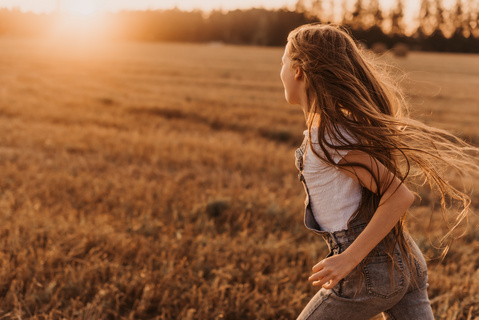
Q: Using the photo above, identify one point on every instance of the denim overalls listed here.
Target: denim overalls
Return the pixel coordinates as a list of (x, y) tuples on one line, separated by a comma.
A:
[(368, 290)]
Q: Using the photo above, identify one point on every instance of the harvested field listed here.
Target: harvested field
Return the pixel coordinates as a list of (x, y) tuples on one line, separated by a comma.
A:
[(156, 181)]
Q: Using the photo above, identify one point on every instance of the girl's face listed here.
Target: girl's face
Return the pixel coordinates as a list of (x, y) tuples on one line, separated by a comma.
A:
[(292, 79)]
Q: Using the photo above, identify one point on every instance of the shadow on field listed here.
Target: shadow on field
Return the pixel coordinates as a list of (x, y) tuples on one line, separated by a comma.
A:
[(215, 123)]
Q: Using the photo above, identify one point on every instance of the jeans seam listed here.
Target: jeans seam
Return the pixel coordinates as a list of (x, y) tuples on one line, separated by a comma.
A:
[(418, 268), (319, 304), (390, 314), (424, 287)]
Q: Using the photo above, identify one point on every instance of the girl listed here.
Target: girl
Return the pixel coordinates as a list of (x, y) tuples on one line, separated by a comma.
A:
[(355, 164)]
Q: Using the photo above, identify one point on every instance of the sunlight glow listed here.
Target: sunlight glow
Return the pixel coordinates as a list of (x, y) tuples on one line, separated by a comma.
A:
[(81, 7), (80, 27)]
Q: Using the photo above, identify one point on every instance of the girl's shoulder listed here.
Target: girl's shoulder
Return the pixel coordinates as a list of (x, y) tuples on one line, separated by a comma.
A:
[(339, 136), (336, 143)]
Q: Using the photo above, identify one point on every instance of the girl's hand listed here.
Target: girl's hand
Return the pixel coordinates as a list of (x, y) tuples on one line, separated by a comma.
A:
[(331, 270)]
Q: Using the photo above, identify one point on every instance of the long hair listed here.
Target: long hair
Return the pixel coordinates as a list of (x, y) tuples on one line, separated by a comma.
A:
[(346, 91)]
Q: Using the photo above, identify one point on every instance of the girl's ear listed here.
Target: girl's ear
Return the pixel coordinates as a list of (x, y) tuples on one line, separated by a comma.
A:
[(298, 75)]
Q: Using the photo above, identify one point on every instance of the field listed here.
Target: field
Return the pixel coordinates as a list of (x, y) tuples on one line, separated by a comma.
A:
[(156, 181)]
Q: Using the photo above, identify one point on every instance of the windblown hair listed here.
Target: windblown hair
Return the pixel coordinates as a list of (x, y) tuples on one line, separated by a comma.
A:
[(346, 91)]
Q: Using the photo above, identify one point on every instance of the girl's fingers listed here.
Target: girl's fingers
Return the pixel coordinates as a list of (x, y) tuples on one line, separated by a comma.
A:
[(330, 285), (321, 282), (326, 283), (317, 276), (318, 266)]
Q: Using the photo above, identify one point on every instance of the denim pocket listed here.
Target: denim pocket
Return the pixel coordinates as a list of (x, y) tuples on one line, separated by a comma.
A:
[(378, 273), (351, 286)]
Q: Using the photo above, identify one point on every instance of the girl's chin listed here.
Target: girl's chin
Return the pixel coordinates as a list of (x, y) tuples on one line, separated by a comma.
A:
[(290, 101)]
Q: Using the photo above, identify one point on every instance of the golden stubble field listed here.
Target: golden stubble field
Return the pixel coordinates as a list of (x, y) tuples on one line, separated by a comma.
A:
[(156, 181)]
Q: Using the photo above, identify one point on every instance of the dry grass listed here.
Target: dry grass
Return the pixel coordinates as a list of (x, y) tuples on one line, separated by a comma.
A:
[(156, 181)]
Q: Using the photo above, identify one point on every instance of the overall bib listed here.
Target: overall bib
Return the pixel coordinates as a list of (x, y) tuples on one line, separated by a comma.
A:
[(368, 290)]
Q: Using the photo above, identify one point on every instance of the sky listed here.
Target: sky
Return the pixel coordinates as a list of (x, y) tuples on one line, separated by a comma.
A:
[(90, 6), (114, 5)]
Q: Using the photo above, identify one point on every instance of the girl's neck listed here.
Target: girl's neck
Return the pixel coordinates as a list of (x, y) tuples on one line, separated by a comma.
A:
[(305, 112)]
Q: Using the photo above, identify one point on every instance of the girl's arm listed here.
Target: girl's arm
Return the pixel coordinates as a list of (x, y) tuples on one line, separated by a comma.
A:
[(394, 202)]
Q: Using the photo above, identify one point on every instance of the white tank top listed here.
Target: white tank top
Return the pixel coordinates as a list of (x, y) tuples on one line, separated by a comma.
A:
[(333, 195)]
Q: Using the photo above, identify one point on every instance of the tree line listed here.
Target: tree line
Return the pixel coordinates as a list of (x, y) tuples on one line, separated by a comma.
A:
[(439, 29)]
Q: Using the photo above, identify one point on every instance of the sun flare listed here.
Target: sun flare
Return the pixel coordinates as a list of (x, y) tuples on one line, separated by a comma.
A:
[(81, 7), (81, 20)]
